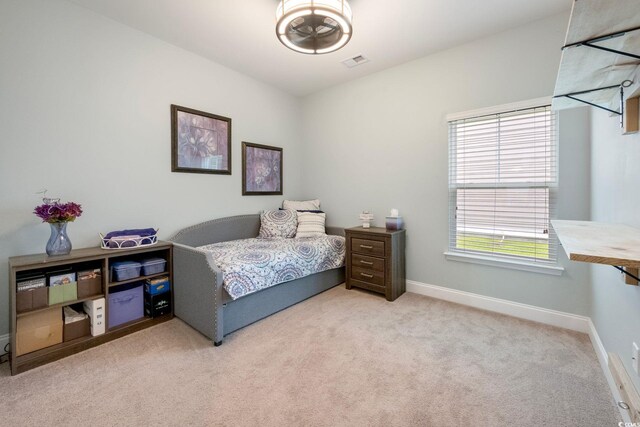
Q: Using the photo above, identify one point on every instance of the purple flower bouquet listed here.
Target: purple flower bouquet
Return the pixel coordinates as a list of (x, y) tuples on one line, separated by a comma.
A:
[(55, 212)]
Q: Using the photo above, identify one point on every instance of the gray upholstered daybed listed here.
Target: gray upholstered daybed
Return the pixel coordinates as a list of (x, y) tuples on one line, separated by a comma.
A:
[(199, 296)]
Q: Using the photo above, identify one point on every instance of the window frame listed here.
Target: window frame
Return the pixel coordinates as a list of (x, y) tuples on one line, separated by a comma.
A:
[(488, 258)]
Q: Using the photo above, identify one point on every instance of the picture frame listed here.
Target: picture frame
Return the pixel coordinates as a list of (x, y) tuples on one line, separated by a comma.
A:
[(200, 141), (261, 169)]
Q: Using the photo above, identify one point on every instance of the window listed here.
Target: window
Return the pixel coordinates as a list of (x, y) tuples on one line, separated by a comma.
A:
[(502, 184)]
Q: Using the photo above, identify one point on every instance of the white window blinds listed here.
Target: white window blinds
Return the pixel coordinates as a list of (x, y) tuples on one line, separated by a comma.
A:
[(502, 181)]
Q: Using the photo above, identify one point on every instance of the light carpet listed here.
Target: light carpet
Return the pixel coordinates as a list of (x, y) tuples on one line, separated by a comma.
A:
[(338, 359)]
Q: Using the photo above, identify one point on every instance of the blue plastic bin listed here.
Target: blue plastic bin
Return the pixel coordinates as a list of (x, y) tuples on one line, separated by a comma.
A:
[(153, 266), (126, 303), (125, 270)]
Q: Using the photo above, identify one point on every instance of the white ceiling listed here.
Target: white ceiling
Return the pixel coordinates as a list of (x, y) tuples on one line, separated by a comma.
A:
[(240, 34)]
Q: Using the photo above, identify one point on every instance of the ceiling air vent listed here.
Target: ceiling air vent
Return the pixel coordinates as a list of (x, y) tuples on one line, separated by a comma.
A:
[(356, 60)]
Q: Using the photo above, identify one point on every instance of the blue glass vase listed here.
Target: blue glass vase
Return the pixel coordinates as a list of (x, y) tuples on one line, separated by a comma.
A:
[(59, 243)]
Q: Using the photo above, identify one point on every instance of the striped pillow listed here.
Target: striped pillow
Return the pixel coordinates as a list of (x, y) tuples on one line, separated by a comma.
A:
[(310, 224), (280, 223)]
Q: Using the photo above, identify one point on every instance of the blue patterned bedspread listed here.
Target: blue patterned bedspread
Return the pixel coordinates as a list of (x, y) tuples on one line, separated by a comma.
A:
[(250, 265)]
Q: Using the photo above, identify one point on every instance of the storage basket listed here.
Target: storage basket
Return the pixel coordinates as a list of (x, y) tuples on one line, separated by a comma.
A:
[(126, 304), (89, 283), (113, 240)]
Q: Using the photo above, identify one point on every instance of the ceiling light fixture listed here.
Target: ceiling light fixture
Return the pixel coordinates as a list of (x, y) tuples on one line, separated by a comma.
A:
[(314, 26)]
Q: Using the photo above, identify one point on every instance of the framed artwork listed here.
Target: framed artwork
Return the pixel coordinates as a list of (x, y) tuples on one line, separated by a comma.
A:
[(200, 142), (261, 169)]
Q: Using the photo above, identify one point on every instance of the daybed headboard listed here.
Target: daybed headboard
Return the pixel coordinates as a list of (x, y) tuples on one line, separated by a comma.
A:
[(226, 229), (336, 231), (219, 230)]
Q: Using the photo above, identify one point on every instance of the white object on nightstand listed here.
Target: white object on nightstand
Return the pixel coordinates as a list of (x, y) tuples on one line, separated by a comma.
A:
[(366, 217), (394, 221)]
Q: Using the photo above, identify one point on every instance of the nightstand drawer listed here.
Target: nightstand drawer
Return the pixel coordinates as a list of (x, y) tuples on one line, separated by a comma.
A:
[(367, 262), (369, 276), (371, 247)]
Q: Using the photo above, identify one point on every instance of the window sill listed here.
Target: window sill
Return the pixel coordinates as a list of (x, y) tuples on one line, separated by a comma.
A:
[(554, 270)]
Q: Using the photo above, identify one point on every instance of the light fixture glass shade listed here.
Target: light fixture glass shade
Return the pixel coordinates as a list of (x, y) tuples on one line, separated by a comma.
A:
[(314, 26)]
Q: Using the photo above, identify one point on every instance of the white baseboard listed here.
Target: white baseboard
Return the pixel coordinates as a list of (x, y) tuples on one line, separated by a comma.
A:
[(528, 312), (510, 308), (603, 358)]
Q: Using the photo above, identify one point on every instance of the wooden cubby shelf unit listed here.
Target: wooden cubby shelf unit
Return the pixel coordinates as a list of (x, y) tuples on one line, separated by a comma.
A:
[(601, 243), (137, 279), (62, 304), (97, 257)]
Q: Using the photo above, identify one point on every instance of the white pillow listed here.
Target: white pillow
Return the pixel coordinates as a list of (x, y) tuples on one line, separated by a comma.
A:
[(304, 205), (310, 224)]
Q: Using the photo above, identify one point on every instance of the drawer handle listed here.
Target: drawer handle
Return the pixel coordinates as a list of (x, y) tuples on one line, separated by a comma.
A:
[(366, 262), (366, 247), (368, 276)]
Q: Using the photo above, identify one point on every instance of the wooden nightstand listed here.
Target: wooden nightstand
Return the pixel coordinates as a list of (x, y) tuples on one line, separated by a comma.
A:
[(375, 260)]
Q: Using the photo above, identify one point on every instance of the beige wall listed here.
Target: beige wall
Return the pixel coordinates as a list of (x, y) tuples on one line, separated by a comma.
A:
[(615, 166), (84, 113), (380, 142)]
